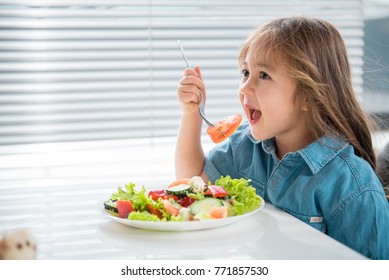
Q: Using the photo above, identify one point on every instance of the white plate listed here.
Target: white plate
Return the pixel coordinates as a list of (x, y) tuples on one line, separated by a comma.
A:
[(180, 226)]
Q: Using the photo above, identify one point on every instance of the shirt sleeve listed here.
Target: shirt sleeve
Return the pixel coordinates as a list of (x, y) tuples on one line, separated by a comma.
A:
[(222, 159), (363, 224), (220, 162)]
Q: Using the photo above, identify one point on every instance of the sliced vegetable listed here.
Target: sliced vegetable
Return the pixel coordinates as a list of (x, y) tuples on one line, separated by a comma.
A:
[(225, 128), (110, 205), (124, 207), (204, 205), (155, 194), (216, 191), (218, 212), (179, 182), (202, 216), (179, 190), (186, 201), (170, 208), (155, 211)]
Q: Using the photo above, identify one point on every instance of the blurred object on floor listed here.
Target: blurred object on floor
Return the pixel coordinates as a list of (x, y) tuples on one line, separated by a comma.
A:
[(18, 245)]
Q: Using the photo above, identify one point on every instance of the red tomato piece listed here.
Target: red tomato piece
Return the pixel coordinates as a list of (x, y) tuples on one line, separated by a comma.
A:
[(170, 208), (216, 191), (124, 207), (155, 194), (225, 128), (154, 211), (186, 201), (171, 196), (160, 193)]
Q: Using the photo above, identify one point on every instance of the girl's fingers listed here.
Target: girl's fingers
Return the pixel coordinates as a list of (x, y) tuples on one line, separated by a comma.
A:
[(198, 71), (192, 80), (191, 72), (189, 90)]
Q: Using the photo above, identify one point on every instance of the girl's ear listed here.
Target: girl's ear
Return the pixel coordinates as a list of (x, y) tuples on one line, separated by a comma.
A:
[(303, 102)]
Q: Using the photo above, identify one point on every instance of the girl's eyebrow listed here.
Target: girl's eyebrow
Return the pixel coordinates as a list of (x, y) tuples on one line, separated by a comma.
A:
[(259, 64), (264, 65)]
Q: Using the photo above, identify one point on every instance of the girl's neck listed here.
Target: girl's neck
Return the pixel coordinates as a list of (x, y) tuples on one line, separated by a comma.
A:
[(292, 144)]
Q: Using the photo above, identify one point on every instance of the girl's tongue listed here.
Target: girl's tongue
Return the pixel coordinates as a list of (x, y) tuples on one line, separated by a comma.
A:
[(255, 115)]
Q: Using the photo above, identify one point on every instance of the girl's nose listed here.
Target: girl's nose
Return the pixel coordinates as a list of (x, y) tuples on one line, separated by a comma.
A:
[(246, 89)]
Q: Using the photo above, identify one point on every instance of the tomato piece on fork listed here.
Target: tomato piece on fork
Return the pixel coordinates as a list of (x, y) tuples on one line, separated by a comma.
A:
[(224, 128)]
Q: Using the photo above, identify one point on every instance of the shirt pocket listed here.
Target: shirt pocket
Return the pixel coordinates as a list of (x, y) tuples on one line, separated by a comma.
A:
[(315, 221)]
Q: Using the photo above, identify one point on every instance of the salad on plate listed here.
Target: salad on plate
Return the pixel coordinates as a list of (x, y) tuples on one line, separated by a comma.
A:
[(188, 199)]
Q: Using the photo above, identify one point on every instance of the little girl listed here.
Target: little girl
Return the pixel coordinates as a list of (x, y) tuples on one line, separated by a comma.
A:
[(306, 145)]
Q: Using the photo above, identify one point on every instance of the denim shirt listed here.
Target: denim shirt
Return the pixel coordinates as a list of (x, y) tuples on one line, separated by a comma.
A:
[(325, 185)]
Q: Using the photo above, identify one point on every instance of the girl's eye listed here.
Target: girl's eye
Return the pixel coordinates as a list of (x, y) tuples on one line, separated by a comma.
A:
[(263, 75), (245, 73)]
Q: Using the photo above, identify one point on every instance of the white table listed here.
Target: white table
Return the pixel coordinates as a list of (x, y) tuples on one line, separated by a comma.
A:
[(55, 194), (269, 234)]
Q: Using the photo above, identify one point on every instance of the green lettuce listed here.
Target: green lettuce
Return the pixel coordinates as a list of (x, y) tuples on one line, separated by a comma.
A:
[(243, 196), (144, 216), (125, 194), (138, 198)]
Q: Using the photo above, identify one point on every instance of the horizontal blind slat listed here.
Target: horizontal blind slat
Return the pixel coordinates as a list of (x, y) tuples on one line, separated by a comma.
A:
[(85, 70)]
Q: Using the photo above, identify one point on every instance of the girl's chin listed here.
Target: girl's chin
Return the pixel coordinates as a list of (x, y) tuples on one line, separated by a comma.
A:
[(257, 135)]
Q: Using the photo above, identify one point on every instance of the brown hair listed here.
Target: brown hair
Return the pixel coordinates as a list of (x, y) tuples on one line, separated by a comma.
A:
[(317, 58)]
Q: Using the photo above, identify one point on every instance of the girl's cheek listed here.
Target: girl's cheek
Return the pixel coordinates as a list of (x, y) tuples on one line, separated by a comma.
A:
[(241, 100)]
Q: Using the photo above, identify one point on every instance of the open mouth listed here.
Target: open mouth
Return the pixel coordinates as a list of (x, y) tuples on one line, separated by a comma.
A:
[(254, 115)]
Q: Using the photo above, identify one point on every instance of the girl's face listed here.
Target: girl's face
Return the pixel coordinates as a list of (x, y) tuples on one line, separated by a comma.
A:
[(267, 95)]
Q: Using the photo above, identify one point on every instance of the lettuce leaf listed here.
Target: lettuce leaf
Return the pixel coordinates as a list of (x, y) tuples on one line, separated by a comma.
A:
[(124, 194), (243, 196), (144, 216), (138, 198)]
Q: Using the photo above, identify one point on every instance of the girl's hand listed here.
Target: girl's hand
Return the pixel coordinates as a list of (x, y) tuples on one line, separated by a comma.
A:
[(188, 90)]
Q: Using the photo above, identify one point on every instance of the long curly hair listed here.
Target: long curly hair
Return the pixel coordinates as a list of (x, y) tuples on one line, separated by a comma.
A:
[(316, 57)]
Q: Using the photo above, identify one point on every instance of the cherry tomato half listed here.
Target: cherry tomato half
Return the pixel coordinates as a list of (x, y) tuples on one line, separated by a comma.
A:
[(225, 128)]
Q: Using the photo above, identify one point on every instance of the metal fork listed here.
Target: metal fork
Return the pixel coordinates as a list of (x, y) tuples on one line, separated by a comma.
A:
[(202, 105)]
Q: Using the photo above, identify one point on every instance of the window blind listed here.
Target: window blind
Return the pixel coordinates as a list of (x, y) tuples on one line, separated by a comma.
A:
[(73, 70)]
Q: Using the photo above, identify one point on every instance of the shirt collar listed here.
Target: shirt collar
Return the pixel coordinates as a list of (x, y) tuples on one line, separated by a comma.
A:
[(316, 155), (322, 151)]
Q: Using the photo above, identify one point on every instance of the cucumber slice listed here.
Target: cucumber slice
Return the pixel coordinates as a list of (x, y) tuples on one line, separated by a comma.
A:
[(180, 190), (204, 205), (110, 205)]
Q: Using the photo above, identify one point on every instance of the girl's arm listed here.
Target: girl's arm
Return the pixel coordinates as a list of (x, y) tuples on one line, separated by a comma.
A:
[(189, 158)]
